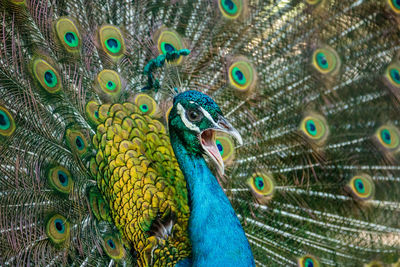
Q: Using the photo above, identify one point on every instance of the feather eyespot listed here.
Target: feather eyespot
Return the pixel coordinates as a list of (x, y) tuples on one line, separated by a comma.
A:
[(225, 146), (77, 141), (60, 179), (98, 206), (7, 123), (392, 74), (314, 127), (68, 34), (46, 75), (146, 104), (50, 78), (394, 5), (144, 108), (167, 47), (325, 60), (113, 247), (57, 229), (230, 9), (242, 75), (262, 185), (92, 112), (168, 41), (71, 39), (113, 45), (112, 41), (388, 137), (308, 261), (109, 82), (362, 186)]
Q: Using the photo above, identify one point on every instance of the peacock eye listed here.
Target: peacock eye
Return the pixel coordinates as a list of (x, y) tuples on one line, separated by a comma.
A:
[(194, 115)]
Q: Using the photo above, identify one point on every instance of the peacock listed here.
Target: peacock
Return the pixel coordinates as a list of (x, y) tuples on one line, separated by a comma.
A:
[(200, 133)]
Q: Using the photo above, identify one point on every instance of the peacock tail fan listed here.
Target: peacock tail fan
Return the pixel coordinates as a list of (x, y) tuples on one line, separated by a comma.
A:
[(88, 176)]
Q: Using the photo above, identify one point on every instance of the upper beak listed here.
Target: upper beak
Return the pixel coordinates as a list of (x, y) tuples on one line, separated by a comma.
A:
[(207, 139)]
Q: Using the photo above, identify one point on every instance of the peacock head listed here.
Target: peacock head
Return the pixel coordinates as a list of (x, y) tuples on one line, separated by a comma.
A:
[(194, 119)]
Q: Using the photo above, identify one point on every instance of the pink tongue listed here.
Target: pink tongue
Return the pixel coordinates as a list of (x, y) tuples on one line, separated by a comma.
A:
[(213, 149), (208, 142)]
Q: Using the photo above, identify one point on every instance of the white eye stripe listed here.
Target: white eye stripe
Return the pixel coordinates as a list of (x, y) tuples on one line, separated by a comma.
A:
[(208, 116), (182, 113)]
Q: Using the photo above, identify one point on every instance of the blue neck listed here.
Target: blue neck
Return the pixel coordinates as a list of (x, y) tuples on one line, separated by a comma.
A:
[(217, 237)]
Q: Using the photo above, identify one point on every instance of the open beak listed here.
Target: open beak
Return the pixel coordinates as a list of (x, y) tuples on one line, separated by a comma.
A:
[(207, 139)]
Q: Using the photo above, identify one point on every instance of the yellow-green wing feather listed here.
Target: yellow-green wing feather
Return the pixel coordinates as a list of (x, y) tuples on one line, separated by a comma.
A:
[(140, 179)]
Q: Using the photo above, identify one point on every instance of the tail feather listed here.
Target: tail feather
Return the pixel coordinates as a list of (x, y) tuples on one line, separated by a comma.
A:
[(312, 87)]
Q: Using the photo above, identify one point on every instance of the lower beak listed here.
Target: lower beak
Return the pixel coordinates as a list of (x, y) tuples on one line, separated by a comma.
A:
[(208, 142)]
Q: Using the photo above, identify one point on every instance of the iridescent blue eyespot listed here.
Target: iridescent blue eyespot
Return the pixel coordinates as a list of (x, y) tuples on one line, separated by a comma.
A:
[(68, 34), (169, 41), (395, 75), (229, 6), (167, 47), (60, 179), (113, 45), (242, 75), (231, 9), (144, 108), (111, 243), (112, 42), (46, 75), (111, 85), (146, 104), (262, 186), (50, 78), (57, 229), (395, 5), (4, 121), (308, 261), (79, 143), (326, 60), (220, 147), (63, 178), (311, 128), (238, 76), (113, 247), (226, 147), (59, 224), (386, 137), (362, 186), (71, 39), (315, 128), (7, 123), (322, 61), (392, 73), (259, 182)]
